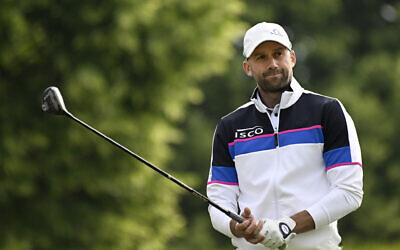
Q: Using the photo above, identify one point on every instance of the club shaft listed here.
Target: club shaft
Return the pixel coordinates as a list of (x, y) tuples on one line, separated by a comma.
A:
[(232, 215)]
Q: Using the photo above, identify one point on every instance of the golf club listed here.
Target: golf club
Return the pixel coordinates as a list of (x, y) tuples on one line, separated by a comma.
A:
[(53, 103)]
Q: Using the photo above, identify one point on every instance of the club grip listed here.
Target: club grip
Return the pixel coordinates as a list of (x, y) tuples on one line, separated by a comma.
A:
[(237, 218), (240, 219)]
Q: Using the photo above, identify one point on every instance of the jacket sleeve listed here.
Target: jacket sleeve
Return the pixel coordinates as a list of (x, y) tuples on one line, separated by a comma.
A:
[(222, 185), (343, 164)]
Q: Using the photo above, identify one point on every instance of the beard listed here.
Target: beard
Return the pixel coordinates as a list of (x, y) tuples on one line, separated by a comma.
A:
[(276, 84)]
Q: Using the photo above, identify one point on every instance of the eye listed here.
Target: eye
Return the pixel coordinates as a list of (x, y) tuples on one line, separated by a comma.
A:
[(278, 53), (260, 57)]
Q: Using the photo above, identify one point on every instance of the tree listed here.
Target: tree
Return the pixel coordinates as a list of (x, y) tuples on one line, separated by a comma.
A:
[(129, 68)]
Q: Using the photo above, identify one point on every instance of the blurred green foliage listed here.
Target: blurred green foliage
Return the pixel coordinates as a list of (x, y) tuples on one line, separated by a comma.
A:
[(128, 68), (156, 76)]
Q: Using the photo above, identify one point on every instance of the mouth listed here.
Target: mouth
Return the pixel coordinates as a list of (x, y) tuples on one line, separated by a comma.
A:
[(272, 74)]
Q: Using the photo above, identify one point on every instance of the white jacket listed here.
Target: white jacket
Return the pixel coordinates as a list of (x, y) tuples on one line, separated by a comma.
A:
[(304, 156)]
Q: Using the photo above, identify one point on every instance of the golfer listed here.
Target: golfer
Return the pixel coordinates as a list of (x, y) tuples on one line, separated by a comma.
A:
[(288, 161)]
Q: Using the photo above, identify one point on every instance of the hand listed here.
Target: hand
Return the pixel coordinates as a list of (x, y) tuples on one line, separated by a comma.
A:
[(278, 232), (248, 229)]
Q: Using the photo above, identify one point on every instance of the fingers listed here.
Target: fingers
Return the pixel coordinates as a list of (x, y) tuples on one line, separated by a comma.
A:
[(249, 229), (247, 213), (259, 226), (242, 227), (253, 228), (256, 237), (238, 229)]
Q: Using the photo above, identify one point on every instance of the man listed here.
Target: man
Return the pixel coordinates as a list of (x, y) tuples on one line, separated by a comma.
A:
[(289, 160)]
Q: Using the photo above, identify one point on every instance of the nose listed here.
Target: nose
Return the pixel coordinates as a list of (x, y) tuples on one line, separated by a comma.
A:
[(272, 64)]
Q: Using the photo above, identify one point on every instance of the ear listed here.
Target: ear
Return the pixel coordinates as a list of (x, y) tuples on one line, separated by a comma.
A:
[(246, 67), (293, 58)]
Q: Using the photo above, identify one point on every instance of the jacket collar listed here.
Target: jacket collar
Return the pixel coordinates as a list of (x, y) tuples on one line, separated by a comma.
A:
[(288, 98)]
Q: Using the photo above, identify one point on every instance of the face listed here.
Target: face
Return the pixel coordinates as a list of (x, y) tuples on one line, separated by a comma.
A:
[(271, 65)]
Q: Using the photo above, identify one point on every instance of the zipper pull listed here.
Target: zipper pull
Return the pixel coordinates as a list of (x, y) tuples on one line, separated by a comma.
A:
[(276, 138)]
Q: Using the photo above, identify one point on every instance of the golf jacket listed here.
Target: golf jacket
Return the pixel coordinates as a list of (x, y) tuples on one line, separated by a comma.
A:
[(304, 155)]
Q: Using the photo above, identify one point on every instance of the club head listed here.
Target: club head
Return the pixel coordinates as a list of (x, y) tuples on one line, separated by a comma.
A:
[(53, 102)]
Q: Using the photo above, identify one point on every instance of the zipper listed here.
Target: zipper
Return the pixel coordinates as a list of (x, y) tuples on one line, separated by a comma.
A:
[(276, 137), (275, 126), (275, 114)]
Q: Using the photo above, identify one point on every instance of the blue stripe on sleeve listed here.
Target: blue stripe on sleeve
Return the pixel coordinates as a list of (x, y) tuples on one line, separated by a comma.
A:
[(223, 174), (337, 156)]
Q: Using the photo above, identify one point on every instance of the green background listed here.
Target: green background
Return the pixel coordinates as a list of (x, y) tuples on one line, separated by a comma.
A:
[(156, 76)]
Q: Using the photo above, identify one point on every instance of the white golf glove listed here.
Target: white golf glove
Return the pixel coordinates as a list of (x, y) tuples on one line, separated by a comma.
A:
[(278, 232)]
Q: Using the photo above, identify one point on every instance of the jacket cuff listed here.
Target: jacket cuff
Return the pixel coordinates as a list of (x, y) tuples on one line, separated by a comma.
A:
[(220, 222), (319, 214)]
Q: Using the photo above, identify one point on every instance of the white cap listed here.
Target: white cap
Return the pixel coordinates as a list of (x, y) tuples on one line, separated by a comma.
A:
[(262, 32)]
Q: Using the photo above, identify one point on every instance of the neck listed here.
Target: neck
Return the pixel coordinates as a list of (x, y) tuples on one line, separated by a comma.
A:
[(270, 99)]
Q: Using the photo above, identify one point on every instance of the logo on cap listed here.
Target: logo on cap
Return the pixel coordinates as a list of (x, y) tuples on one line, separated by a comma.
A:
[(276, 32)]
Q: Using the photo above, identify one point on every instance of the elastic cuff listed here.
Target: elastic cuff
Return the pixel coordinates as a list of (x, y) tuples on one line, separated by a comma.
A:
[(319, 215), (227, 230), (220, 222)]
